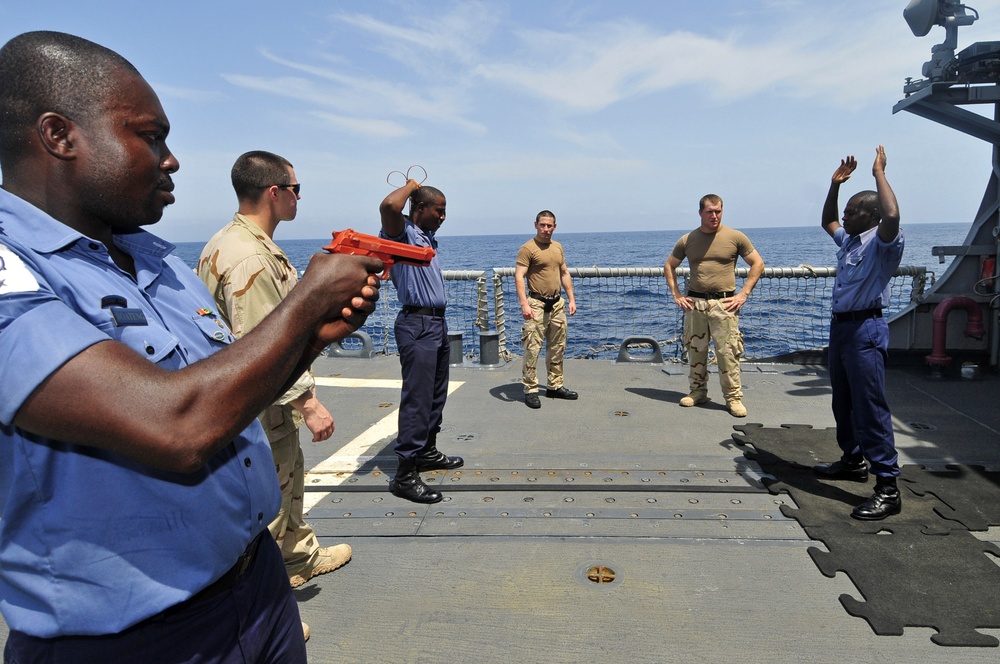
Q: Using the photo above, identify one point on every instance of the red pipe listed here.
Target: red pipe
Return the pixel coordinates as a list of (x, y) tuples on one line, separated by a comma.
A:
[(974, 327)]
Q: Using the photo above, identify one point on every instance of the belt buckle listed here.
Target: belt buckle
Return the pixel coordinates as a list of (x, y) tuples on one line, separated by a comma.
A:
[(244, 561)]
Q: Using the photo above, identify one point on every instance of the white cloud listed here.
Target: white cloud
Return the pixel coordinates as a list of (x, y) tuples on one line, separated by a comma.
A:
[(604, 64), (354, 94), (456, 35), (369, 127), (188, 94)]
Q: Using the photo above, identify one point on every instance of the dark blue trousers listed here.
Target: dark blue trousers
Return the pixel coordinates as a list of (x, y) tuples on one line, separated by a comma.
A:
[(858, 352), (424, 356), (254, 622)]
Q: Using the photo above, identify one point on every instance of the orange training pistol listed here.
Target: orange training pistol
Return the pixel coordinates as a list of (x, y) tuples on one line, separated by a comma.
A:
[(388, 251)]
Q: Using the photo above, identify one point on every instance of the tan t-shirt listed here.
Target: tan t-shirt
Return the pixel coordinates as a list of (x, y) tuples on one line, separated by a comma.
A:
[(712, 258), (544, 263)]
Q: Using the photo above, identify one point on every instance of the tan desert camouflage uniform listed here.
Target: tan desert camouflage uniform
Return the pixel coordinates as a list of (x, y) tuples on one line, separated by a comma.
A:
[(712, 258), (248, 275), (710, 321)]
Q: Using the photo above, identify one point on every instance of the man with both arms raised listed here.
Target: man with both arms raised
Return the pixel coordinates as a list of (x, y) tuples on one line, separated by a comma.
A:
[(871, 248)]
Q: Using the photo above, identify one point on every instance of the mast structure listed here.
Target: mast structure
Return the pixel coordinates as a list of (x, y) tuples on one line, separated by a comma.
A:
[(953, 82)]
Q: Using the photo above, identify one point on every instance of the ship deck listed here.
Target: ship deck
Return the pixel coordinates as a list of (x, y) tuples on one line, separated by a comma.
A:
[(616, 528)]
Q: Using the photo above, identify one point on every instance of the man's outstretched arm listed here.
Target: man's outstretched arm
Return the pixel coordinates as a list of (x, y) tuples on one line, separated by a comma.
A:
[(110, 397)]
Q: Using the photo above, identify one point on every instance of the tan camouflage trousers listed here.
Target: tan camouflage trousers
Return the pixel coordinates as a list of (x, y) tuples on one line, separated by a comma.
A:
[(294, 536), (548, 327), (710, 322)]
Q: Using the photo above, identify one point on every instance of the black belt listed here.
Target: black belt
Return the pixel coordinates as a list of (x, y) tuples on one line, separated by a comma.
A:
[(229, 579), (544, 298), (712, 296), (424, 311), (550, 302), (863, 314)]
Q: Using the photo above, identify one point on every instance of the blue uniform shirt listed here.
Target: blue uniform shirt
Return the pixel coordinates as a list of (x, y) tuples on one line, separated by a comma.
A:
[(865, 265), (92, 542), (418, 286)]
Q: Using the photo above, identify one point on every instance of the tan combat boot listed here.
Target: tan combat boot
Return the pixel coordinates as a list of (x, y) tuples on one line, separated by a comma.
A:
[(693, 400), (736, 408)]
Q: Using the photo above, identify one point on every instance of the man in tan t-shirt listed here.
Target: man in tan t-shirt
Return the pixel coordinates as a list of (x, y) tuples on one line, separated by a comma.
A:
[(712, 303), (542, 263)]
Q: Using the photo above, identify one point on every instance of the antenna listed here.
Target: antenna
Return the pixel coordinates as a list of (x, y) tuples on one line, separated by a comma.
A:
[(921, 16)]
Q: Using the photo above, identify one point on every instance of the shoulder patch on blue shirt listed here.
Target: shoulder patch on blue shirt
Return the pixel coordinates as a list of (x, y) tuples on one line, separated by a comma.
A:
[(15, 277)]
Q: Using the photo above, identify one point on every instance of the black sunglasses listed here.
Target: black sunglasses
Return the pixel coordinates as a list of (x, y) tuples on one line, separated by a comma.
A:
[(296, 188)]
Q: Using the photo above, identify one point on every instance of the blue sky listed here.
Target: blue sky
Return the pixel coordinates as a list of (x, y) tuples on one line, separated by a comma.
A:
[(614, 115)]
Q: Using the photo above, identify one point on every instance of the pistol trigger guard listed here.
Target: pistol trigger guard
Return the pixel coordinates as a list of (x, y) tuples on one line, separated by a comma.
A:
[(388, 179), (424, 170)]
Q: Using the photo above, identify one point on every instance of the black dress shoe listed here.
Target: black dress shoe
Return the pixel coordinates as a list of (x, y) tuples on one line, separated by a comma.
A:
[(885, 502), (842, 470), (532, 401), (561, 393), (433, 459)]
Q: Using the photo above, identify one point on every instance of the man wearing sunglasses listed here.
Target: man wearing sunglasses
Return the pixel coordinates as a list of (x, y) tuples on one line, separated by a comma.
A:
[(248, 275)]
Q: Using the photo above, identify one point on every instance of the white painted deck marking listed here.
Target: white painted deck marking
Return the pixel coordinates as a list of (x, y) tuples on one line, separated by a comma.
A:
[(388, 383), (354, 454)]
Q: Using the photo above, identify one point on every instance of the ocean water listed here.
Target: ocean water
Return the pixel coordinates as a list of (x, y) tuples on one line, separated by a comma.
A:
[(780, 247), (774, 322)]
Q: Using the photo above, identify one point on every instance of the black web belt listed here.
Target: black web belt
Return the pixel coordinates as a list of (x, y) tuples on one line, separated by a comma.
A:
[(711, 296), (424, 311), (861, 314), (549, 302)]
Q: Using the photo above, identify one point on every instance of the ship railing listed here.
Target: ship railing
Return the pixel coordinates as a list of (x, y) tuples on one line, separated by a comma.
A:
[(788, 312)]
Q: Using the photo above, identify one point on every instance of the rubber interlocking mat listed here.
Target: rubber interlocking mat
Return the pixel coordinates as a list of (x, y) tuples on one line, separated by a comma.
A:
[(920, 568)]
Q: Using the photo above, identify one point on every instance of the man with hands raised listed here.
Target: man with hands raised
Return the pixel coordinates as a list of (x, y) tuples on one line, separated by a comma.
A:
[(871, 248)]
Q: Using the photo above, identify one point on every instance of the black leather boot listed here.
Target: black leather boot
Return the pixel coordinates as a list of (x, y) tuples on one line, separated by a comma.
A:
[(886, 501), (407, 484), (430, 458)]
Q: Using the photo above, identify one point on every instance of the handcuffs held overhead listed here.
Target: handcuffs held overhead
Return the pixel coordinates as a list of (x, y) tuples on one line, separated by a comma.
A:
[(406, 176)]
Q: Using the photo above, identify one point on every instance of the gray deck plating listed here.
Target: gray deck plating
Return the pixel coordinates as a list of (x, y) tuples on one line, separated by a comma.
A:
[(698, 564), (706, 567)]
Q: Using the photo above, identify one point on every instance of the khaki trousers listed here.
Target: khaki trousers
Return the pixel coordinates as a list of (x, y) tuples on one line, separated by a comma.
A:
[(549, 327), (710, 322)]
